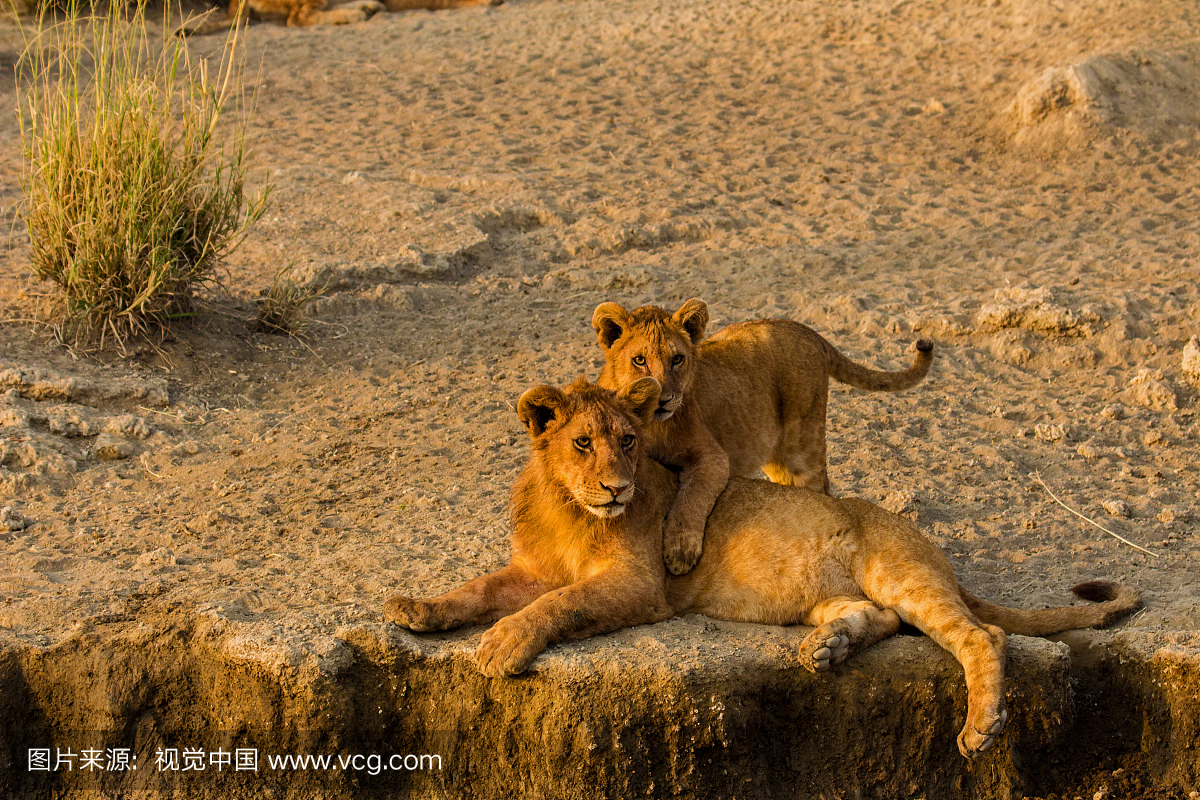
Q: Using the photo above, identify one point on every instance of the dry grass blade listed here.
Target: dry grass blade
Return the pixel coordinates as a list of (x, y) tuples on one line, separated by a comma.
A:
[(1091, 521)]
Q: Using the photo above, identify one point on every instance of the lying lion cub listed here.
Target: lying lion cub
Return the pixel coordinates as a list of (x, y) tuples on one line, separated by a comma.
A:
[(304, 13), (752, 396), (587, 515)]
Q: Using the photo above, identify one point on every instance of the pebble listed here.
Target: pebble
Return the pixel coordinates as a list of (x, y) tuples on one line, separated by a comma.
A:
[(13, 520), (1116, 508), (1050, 432), (1191, 366)]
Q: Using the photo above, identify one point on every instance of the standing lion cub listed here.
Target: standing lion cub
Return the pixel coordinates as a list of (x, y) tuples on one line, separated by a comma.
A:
[(587, 515), (751, 396)]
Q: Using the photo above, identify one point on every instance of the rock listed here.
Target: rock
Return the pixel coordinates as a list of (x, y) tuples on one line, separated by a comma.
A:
[(70, 421), (1151, 92), (112, 448), (13, 520), (901, 502), (162, 557), (1150, 389), (1030, 308), (1191, 361), (1050, 432), (127, 425), (1114, 412), (1116, 508), (189, 447)]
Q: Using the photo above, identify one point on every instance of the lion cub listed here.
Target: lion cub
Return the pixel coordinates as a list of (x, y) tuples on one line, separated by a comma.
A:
[(304, 13), (751, 396), (587, 515)]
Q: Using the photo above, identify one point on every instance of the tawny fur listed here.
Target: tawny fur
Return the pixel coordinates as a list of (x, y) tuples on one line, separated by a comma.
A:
[(751, 396), (305, 13), (775, 554)]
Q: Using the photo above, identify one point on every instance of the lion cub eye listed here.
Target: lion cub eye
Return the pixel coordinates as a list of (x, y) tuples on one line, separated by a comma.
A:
[(639, 361), (627, 441), (677, 360), (583, 442)]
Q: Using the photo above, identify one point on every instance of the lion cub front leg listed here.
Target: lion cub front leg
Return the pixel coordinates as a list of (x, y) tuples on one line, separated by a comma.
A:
[(844, 626), (476, 602), (704, 471), (604, 602)]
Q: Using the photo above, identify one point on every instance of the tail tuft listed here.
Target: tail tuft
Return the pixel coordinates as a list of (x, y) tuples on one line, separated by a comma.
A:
[(924, 345), (1123, 598), (1096, 591)]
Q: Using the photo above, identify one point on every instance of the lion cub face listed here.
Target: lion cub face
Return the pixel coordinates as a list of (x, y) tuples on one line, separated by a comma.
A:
[(587, 439), (648, 342)]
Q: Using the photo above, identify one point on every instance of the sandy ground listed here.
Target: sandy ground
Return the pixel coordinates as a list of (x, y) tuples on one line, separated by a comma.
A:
[(1016, 179)]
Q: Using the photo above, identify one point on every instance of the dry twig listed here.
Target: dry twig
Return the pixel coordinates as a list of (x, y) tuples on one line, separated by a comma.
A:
[(1038, 478)]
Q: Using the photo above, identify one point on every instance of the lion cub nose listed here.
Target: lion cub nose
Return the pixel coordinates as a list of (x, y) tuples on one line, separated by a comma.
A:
[(616, 489)]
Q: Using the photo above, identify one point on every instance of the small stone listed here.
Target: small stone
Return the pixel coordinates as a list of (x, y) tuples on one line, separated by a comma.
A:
[(1050, 432), (1116, 508), (1152, 438), (1191, 363), (901, 502), (111, 448), (162, 557), (1088, 451), (933, 106), (1149, 388), (1115, 411), (13, 520)]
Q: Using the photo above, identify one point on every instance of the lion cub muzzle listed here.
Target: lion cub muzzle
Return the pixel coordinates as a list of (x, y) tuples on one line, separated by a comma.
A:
[(620, 492), (667, 406)]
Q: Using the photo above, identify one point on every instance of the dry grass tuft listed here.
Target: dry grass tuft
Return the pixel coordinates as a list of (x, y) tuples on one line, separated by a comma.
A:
[(132, 199), (281, 308)]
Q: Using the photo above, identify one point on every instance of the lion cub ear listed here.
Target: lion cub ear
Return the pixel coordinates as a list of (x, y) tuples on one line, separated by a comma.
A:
[(642, 398), (693, 316), (538, 406), (610, 321)]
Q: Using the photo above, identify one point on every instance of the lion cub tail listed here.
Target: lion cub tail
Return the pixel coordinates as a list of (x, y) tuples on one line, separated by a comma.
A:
[(860, 377), (1112, 601)]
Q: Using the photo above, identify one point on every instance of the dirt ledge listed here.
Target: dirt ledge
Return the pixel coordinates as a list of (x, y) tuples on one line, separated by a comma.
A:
[(689, 708)]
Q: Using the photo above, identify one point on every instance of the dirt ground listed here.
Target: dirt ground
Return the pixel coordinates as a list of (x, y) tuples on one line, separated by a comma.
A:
[(1016, 179)]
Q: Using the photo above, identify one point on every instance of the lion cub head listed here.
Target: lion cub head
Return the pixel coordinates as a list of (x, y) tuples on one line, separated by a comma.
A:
[(649, 342), (585, 440)]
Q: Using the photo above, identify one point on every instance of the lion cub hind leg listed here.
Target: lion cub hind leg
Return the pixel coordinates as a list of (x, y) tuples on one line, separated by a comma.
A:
[(477, 602), (844, 626), (980, 648)]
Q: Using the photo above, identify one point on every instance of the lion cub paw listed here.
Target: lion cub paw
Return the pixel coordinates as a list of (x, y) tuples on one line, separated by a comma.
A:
[(827, 645), (416, 615), (350, 13), (979, 737), (507, 648), (682, 547)]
